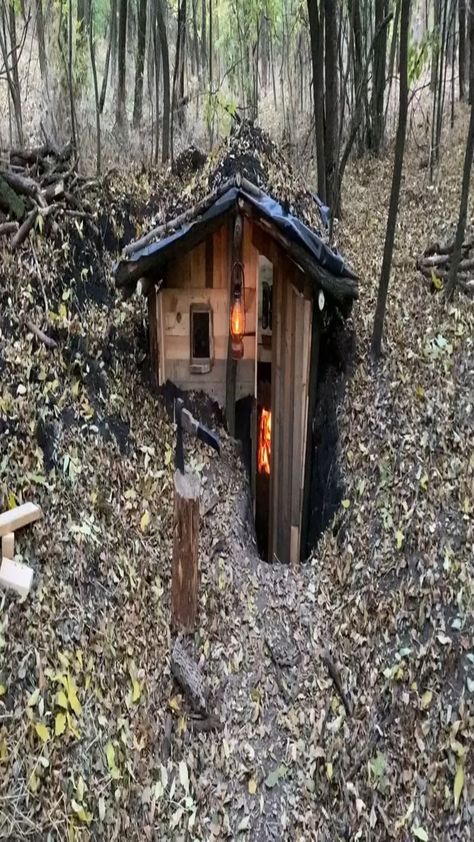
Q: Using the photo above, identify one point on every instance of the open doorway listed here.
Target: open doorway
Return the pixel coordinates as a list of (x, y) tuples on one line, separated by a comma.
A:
[(263, 415)]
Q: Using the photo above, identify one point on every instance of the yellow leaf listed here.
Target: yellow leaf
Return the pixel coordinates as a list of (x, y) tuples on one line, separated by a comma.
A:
[(458, 784), (426, 699), (136, 690), (82, 814), (72, 696), (252, 786), (63, 659), (33, 782), (145, 520), (3, 751), (329, 771), (11, 500), (437, 282), (110, 755), (61, 699), (42, 731), (60, 724), (71, 725), (345, 504), (3, 689), (424, 482), (175, 703), (399, 539)]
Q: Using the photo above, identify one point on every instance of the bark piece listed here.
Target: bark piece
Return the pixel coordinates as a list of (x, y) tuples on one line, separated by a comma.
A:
[(189, 677)]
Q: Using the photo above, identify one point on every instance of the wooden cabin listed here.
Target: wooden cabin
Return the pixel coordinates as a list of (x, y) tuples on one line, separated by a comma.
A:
[(237, 286)]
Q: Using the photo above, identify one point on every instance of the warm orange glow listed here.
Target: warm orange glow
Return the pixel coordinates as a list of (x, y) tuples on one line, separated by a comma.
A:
[(237, 321), (264, 442)]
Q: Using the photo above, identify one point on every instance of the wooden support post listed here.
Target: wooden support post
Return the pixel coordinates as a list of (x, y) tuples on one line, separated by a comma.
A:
[(231, 372), (185, 568), (8, 545)]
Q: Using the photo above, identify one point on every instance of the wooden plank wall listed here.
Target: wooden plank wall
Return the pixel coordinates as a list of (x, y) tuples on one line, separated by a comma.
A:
[(188, 282), (290, 372)]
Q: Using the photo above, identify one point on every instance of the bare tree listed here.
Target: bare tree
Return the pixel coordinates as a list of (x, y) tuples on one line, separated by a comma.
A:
[(141, 41), (121, 58), (317, 59), (462, 48), (396, 183), (41, 42), (461, 226), (163, 37), (96, 85)]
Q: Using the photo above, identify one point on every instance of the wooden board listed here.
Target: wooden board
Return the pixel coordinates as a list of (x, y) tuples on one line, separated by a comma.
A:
[(18, 517), (15, 576)]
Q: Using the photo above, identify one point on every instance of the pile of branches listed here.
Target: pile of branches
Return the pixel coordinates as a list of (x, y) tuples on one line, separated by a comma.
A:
[(37, 186), (435, 264)]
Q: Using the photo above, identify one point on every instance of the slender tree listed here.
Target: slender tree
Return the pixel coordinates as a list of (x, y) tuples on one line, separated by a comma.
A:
[(461, 226), (163, 38), (462, 48), (112, 34), (41, 42), (121, 58), (378, 89), (141, 42), (317, 60), (96, 85), (396, 183), (332, 98)]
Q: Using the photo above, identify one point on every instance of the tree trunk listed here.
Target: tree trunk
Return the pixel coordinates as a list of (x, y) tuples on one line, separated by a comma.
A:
[(396, 183), (96, 86), (141, 41), (121, 59), (70, 77), (166, 79), (317, 60), (471, 52), (113, 27), (461, 226), (462, 49), (332, 105), (41, 42), (378, 90)]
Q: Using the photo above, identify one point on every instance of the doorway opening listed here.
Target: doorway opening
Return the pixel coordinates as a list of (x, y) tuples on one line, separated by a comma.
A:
[(263, 414)]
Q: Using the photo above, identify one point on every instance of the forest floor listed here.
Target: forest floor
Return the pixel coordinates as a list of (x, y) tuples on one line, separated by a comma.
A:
[(96, 741)]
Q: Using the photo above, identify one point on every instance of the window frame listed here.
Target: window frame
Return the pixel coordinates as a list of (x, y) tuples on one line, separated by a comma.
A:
[(201, 365)]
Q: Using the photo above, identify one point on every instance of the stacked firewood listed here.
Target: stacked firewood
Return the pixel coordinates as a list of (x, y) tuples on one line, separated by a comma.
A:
[(435, 264), (38, 185)]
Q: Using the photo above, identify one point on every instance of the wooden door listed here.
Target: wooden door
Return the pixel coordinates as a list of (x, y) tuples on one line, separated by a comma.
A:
[(292, 310)]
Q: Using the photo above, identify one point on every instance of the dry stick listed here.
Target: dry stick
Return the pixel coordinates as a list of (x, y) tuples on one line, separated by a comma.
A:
[(40, 278), (50, 343), (334, 673), (24, 229)]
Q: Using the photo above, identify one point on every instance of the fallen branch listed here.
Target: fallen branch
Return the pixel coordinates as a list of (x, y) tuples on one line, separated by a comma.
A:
[(43, 337), (334, 673)]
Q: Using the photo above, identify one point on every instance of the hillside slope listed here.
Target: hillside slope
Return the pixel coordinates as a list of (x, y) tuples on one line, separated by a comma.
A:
[(96, 741)]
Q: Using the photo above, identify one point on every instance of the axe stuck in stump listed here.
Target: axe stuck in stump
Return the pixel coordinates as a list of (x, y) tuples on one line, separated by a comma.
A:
[(187, 485)]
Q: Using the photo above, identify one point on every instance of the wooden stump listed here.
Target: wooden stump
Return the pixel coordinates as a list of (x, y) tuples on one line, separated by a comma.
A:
[(185, 569)]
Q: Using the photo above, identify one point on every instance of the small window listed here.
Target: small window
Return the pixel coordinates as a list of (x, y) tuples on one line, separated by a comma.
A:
[(202, 350)]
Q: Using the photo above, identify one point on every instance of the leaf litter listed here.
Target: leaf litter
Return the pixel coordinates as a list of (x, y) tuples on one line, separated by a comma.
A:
[(96, 739)]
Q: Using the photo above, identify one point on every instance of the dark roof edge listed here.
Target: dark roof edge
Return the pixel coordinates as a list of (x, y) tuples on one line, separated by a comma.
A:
[(304, 246)]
